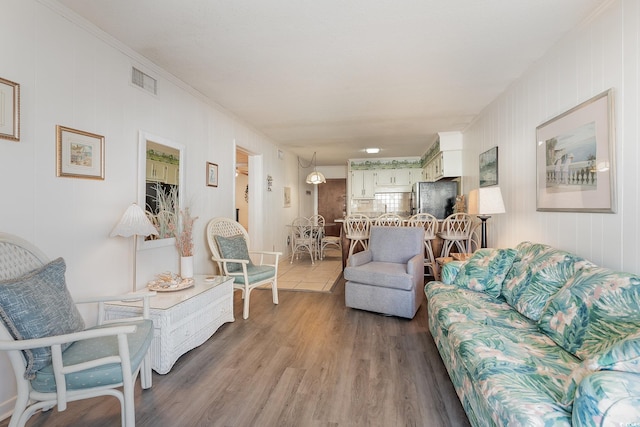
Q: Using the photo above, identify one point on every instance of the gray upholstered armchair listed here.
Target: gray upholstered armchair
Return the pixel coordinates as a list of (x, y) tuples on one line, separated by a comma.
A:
[(388, 277)]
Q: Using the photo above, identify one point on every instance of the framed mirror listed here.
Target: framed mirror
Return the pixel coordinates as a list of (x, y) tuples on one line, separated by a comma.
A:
[(160, 186)]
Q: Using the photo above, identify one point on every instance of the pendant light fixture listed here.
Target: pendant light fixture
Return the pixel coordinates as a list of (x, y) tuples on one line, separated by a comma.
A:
[(315, 177)]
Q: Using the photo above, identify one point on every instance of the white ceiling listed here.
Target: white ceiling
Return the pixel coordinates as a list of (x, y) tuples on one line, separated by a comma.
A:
[(336, 76)]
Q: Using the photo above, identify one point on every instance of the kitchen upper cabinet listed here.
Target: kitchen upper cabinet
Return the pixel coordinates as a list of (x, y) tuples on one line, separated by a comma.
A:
[(445, 157), (362, 184), (166, 173), (402, 177)]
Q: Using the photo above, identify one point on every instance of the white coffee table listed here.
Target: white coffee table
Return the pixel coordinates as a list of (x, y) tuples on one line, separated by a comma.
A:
[(183, 319)]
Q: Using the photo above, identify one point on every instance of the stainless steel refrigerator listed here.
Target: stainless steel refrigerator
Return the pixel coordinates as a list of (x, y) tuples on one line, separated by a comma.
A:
[(436, 198)]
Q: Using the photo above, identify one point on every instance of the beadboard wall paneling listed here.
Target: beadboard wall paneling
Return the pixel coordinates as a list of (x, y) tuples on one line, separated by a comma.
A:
[(73, 75), (601, 54)]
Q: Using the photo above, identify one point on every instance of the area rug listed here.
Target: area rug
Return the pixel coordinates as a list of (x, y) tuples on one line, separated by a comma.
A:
[(301, 275)]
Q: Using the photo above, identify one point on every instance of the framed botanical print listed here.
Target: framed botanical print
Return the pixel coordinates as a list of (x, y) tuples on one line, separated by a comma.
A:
[(212, 174), (80, 154)]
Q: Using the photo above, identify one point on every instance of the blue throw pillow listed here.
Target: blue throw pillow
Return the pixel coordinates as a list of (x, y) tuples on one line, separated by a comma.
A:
[(39, 305), (234, 247), (485, 271)]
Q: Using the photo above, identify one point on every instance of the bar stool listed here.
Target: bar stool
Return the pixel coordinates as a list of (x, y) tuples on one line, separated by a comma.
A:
[(389, 220), (356, 228), (430, 225), (455, 231)]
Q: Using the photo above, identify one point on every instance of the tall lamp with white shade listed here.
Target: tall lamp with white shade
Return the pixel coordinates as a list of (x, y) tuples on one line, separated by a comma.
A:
[(134, 222), (484, 202)]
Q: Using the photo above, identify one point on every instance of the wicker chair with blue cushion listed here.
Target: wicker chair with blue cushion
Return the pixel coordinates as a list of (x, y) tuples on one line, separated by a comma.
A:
[(388, 277), (229, 245), (56, 360)]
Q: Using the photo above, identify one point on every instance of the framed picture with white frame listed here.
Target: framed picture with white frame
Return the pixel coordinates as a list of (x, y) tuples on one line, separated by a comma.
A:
[(575, 153)]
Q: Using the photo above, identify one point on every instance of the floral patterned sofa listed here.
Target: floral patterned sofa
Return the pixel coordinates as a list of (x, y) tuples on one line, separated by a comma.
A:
[(536, 336)]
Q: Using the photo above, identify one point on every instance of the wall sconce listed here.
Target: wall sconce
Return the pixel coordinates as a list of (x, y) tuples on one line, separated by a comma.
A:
[(269, 182)]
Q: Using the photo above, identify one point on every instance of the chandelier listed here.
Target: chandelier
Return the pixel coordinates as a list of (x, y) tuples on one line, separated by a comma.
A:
[(314, 177)]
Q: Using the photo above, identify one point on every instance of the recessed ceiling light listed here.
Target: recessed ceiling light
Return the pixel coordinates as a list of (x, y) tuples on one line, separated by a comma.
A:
[(372, 150)]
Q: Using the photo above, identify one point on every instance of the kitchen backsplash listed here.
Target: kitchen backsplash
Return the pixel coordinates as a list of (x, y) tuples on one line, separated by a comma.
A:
[(398, 203)]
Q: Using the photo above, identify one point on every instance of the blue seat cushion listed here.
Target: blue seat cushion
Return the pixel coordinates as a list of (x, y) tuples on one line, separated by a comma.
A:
[(256, 273), (95, 348), (383, 274)]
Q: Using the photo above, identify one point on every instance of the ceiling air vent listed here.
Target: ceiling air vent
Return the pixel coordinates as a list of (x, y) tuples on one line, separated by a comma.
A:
[(144, 81)]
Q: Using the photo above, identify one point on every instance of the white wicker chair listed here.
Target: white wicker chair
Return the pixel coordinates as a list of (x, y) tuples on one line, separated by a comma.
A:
[(356, 227), (250, 275), (455, 231), (317, 224), (131, 353), (389, 220), (302, 239)]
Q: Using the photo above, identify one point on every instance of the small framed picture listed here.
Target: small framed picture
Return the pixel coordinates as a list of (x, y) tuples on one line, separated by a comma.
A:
[(79, 154), (9, 110), (212, 174), (287, 197), (489, 167)]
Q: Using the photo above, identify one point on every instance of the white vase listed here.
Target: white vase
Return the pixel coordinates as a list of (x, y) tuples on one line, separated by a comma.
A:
[(186, 267)]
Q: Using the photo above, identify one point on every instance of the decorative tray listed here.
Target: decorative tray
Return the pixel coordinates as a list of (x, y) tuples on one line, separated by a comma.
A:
[(167, 282)]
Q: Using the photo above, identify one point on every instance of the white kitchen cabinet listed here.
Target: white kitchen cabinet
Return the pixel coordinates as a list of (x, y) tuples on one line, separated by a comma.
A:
[(166, 173), (362, 184), (445, 161), (400, 177)]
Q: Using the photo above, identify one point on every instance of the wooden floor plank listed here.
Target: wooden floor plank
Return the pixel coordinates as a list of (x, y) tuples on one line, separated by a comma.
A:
[(309, 361)]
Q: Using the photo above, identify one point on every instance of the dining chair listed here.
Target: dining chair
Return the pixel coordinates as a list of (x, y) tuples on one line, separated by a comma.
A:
[(325, 240), (317, 230), (302, 239)]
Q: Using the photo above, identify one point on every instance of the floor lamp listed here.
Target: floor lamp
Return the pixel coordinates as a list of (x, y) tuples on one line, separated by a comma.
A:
[(134, 222), (484, 202)]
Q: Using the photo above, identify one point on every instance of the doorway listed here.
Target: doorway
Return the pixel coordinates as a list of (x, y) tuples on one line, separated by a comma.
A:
[(332, 203), (242, 188)]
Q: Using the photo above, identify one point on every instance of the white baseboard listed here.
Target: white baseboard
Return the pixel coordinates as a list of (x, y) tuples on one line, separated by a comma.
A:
[(6, 408)]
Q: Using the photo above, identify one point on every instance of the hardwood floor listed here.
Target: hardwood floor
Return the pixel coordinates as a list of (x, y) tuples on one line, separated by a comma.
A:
[(308, 361)]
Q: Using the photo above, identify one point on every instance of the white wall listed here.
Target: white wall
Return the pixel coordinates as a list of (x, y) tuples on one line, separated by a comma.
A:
[(603, 53), (71, 74), (334, 172)]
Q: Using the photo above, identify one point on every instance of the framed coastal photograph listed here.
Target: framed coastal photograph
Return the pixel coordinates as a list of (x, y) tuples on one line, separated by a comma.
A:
[(80, 154), (212, 174), (575, 155), (489, 167), (9, 110)]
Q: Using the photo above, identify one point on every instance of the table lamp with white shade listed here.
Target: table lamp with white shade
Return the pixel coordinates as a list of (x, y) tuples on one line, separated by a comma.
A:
[(134, 222), (484, 202)]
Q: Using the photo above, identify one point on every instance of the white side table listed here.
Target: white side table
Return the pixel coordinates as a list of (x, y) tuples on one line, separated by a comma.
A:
[(182, 320)]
